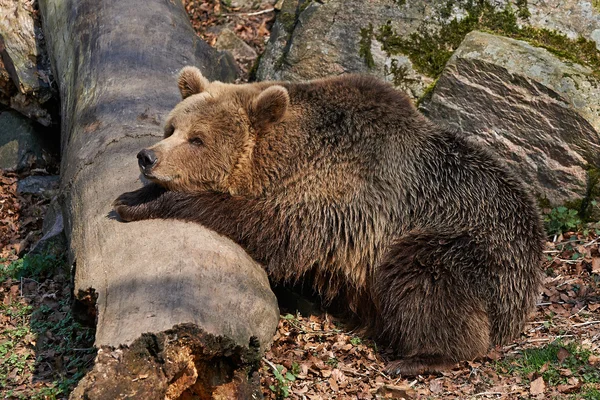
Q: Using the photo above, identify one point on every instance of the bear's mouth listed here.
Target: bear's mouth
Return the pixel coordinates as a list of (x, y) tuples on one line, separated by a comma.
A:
[(157, 178)]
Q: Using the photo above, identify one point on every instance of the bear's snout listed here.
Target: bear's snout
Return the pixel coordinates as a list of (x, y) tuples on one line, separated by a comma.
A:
[(146, 160)]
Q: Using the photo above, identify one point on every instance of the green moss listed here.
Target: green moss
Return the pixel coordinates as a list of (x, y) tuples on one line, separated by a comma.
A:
[(398, 72), (400, 3), (589, 209), (446, 10), (522, 9), (596, 4), (364, 50), (430, 50), (427, 93), (304, 5), (288, 20)]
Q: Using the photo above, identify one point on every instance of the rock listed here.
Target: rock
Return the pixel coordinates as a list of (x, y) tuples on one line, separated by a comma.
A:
[(54, 240), (22, 143), (312, 39), (231, 42), (573, 18), (25, 76), (540, 114), (39, 184)]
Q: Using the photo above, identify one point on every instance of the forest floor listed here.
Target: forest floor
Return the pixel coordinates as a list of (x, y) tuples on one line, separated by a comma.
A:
[(44, 350)]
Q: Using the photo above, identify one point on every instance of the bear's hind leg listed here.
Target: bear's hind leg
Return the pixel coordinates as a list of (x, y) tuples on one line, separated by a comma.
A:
[(429, 311)]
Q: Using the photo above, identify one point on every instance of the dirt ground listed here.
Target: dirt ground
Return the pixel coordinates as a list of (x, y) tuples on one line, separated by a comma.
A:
[(44, 350)]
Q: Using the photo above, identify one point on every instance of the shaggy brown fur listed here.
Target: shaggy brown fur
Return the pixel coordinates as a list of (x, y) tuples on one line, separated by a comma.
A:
[(433, 243)]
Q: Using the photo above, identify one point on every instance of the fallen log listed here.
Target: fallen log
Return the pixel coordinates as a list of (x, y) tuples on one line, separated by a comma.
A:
[(180, 310)]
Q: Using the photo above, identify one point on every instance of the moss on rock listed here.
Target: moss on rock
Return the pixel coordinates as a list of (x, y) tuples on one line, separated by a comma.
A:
[(430, 49), (364, 50)]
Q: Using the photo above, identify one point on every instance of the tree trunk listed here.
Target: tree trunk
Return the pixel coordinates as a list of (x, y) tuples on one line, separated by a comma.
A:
[(189, 308)]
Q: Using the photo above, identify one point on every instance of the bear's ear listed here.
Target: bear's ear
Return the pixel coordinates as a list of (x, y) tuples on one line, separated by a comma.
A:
[(270, 106), (191, 82)]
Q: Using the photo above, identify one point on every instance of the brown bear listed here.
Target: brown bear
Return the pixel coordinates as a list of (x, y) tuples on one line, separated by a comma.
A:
[(433, 243)]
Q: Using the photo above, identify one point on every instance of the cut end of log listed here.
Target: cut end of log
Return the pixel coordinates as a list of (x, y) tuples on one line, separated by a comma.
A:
[(84, 307), (181, 363)]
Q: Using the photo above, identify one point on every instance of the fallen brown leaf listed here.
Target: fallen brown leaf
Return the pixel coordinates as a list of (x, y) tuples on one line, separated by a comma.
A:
[(537, 387)]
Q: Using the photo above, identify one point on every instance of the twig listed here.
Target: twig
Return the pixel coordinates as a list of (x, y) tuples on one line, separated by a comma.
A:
[(273, 366), (488, 394), (353, 372), (380, 373), (580, 310), (549, 303), (587, 323), (565, 282), (249, 14), (567, 261)]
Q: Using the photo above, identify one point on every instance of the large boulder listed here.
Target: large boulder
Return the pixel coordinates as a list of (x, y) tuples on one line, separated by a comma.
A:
[(573, 18), (314, 39), (540, 114), (23, 143)]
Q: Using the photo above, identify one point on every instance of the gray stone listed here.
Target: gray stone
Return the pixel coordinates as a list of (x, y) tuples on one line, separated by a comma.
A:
[(573, 18), (39, 184), (54, 240), (229, 41), (540, 114), (22, 143), (312, 39)]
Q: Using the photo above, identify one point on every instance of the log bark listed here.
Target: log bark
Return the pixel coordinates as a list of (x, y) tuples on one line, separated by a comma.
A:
[(180, 310)]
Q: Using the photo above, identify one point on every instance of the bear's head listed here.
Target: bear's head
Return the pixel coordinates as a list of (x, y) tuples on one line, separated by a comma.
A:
[(210, 135)]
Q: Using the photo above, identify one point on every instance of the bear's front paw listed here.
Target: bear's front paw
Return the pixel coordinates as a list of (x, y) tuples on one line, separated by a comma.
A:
[(128, 199), (139, 204), (125, 213)]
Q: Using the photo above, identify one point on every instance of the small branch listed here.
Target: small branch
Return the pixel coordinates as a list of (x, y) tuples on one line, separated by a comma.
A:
[(580, 310), (565, 282), (273, 366), (250, 14), (549, 303), (587, 323), (380, 373), (489, 394)]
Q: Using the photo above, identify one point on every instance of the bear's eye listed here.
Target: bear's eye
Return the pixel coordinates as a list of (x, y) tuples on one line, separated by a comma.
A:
[(169, 130), (196, 141)]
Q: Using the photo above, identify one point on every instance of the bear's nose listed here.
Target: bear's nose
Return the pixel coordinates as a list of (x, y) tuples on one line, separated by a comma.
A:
[(146, 159)]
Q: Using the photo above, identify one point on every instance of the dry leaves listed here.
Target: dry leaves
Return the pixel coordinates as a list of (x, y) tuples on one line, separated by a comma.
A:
[(330, 362), (537, 386), (208, 17)]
